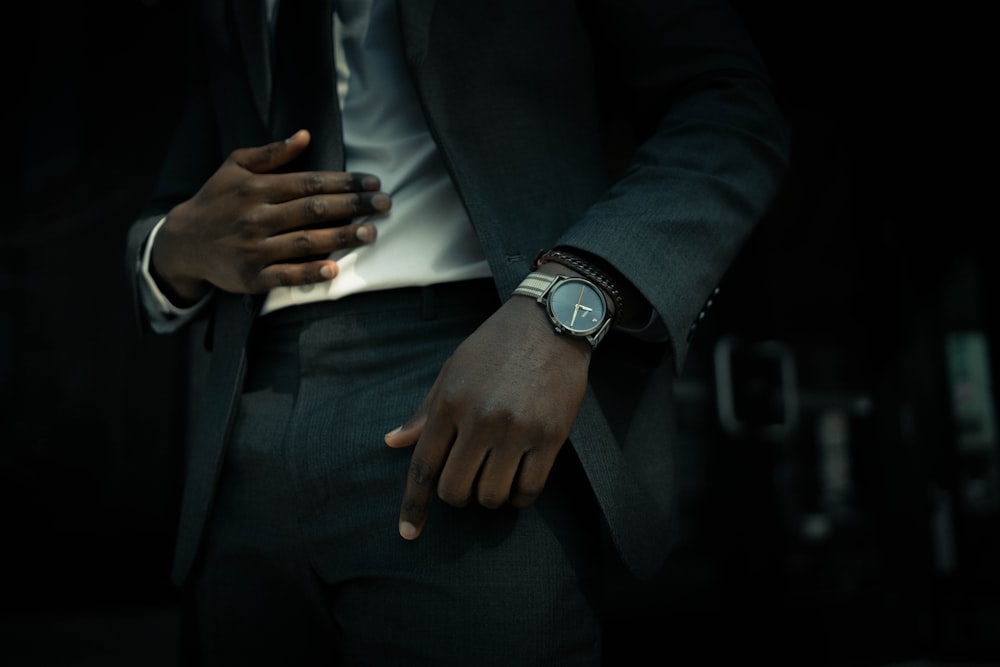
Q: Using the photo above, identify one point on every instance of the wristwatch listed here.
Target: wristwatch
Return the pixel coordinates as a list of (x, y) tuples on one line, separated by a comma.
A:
[(576, 306)]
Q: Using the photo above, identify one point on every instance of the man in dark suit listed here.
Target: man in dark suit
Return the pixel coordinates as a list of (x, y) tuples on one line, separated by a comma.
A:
[(411, 428)]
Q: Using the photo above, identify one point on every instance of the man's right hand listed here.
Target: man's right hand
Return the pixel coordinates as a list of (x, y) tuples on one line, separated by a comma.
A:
[(250, 229)]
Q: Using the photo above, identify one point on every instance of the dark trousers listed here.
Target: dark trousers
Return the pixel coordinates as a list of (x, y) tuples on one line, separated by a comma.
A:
[(302, 563)]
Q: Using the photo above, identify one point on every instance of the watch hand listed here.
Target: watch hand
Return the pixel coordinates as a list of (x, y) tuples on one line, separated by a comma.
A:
[(576, 308)]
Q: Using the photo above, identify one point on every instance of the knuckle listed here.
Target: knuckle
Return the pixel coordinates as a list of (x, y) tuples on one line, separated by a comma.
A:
[(247, 224), (315, 208), (238, 156), (491, 500), (284, 277), (547, 432), (450, 401), (313, 183), (357, 204), (453, 497), (421, 473), (498, 417), (270, 151), (245, 188), (303, 243)]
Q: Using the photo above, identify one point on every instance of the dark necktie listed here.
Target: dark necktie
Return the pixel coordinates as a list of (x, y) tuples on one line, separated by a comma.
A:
[(305, 82)]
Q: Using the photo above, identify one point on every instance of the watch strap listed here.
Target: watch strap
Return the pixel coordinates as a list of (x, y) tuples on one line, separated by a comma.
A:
[(535, 284)]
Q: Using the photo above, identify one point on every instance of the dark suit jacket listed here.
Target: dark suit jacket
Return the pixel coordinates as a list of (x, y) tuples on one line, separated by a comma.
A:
[(525, 98)]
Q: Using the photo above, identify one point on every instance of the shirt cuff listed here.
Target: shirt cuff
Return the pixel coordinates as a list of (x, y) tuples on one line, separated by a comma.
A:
[(164, 316)]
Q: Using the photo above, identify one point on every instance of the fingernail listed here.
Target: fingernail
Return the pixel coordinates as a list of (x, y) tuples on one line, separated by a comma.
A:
[(327, 272), (381, 202), (407, 530), (394, 431), (365, 233)]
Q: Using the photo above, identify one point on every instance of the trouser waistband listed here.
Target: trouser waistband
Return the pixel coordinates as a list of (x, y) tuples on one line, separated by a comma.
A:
[(427, 298)]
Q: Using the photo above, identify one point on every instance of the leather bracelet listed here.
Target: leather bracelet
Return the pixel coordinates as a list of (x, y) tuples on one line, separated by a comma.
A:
[(587, 269)]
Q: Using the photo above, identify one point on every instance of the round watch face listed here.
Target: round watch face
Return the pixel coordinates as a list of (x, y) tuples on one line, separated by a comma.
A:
[(577, 306)]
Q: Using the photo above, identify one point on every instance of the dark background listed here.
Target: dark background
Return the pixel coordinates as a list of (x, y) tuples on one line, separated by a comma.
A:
[(873, 258)]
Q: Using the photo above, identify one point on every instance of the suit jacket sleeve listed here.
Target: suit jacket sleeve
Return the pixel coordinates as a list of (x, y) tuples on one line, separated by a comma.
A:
[(509, 92), (711, 153)]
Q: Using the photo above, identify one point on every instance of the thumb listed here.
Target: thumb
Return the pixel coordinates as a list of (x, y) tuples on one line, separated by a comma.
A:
[(270, 157), (407, 434)]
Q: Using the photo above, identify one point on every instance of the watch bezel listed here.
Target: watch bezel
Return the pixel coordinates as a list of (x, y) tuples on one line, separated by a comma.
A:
[(593, 333)]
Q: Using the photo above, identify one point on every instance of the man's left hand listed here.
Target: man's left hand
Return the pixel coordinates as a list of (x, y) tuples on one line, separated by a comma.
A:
[(497, 415)]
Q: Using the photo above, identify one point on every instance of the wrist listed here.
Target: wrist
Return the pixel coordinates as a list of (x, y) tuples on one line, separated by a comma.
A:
[(181, 292), (536, 327)]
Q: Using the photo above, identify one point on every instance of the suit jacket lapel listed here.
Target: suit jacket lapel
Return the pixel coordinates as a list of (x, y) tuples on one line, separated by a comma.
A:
[(253, 29), (414, 26), (254, 34)]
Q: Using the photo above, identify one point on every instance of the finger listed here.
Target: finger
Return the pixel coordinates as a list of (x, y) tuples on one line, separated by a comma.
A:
[(496, 478), (421, 480), (277, 154), (408, 434), (400, 437), (291, 274), (320, 210), (458, 476), (305, 243), (299, 184), (531, 477)]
